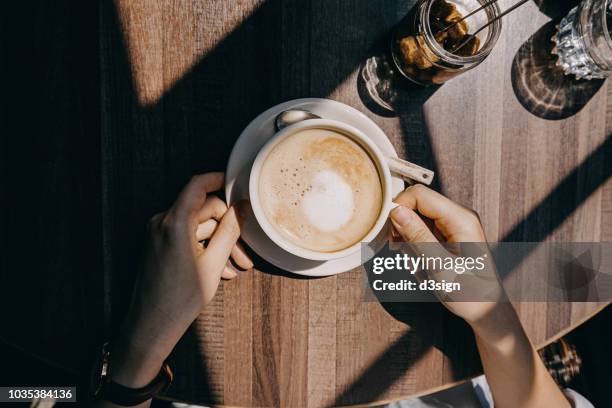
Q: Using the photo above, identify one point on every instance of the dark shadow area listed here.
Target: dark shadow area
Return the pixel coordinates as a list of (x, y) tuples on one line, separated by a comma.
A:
[(417, 141), (443, 330), (430, 325), (384, 90), (51, 282), (556, 8), (199, 384), (387, 93), (592, 340), (21, 367), (567, 196), (276, 271), (541, 86), (376, 378)]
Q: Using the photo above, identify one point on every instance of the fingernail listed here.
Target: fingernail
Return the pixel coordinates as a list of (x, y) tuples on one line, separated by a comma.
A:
[(251, 264), (231, 273), (401, 215), (247, 267)]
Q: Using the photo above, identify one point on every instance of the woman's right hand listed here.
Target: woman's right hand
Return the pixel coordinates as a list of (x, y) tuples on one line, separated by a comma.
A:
[(516, 374), (453, 224)]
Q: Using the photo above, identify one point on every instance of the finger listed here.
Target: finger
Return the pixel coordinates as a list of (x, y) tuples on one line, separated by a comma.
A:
[(422, 241), (206, 229), (240, 256), (228, 272), (218, 251), (413, 230), (410, 226), (426, 201), (455, 222), (193, 195), (213, 208)]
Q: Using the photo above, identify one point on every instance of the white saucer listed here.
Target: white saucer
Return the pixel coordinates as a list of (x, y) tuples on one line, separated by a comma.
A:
[(238, 170)]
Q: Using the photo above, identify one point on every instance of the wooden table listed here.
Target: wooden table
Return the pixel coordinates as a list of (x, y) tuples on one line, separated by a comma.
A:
[(181, 79)]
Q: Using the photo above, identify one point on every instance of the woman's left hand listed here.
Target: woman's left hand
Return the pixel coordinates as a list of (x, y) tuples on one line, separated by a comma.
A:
[(180, 277)]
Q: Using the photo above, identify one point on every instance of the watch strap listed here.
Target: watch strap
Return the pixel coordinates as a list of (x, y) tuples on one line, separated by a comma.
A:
[(126, 396)]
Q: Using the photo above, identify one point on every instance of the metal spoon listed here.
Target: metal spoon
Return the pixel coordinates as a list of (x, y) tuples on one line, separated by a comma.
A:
[(405, 169), (291, 116)]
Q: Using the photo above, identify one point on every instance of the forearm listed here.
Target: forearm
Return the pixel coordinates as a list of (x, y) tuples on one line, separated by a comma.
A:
[(516, 374)]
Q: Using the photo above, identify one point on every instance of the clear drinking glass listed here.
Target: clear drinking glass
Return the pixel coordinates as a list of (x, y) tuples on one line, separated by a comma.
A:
[(583, 42)]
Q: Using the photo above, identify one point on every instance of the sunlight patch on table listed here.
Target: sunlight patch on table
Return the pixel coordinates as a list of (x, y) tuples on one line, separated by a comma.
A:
[(163, 41)]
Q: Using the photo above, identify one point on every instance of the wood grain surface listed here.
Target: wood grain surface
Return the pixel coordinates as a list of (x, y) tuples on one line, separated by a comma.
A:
[(181, 79)]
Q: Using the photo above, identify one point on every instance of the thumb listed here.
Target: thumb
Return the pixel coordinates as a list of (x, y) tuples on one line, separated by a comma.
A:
[(420, 238), (410, 226)]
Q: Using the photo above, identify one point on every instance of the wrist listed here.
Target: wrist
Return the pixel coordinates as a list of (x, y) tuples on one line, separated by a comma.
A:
[(133, 365), (500, 323)]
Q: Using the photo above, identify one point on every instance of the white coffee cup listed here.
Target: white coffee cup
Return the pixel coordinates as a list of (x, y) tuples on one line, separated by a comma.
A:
[(356, 135)]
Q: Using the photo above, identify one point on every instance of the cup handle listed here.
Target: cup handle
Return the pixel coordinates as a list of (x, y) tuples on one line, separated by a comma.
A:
[(410, 171)]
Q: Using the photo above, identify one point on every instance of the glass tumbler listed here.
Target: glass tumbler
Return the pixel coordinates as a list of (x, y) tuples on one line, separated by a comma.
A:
[(582, 42)]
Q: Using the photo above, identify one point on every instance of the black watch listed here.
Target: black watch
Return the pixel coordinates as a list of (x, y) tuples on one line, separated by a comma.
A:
[(108, 390)]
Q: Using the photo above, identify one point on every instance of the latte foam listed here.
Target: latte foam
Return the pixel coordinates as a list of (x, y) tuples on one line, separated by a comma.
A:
[(321, 190)]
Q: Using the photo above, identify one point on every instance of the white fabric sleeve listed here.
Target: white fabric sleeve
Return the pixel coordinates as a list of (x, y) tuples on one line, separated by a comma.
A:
[(483, 392), (577, 400)]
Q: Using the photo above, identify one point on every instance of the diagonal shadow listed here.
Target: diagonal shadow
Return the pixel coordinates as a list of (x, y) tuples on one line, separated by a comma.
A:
[(452, 336), (556, 8), (375, 380), (560, 203), (568, 195), (398, 97)]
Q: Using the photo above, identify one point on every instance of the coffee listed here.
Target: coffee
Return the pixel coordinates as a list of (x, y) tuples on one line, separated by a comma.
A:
[(321, 190)]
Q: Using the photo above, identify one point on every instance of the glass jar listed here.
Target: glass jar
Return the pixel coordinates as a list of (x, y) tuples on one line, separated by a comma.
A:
[(424, 45)]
